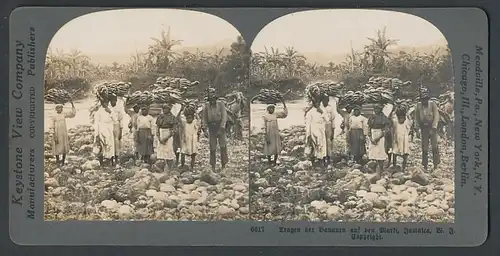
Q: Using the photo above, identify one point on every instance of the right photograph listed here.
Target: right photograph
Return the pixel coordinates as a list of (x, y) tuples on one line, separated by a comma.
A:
[(352, 119)]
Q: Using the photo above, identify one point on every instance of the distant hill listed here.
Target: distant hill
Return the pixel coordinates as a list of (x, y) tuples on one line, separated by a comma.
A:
[(325, 58)]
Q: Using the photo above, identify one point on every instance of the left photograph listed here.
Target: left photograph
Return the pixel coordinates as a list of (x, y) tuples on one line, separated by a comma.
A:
[(146, 118)]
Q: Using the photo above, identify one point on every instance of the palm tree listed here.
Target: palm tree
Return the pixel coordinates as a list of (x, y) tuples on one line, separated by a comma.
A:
[(291, 59), (378, 50), (161, 52)]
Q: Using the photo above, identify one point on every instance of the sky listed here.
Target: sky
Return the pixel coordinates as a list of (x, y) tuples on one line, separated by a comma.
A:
[(110, 36), (332, 31), (123, 32)]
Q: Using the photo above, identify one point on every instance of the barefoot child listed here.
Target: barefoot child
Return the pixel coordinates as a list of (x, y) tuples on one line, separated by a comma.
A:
[(190, 132), (272, 145), (60, 132), (401, 138)]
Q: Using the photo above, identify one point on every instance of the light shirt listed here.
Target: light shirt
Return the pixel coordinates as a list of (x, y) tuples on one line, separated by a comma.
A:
[(145, 122), (329, 113), (359, 122)]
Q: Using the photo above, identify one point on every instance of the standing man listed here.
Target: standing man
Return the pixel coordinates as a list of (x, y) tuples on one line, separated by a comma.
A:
[(329, 113), (214, 119), (427, 119)]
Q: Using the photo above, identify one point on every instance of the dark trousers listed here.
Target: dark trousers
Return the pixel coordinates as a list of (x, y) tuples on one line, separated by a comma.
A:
[(217, 136), (427, 136), (450, 130)]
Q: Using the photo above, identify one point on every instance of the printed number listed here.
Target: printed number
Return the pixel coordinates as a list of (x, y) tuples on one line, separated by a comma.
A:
[(257, 229), (451, 231)]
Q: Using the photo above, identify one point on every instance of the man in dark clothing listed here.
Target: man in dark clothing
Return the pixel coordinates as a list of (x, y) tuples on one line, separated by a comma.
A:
[(427, 118), (214, 119)]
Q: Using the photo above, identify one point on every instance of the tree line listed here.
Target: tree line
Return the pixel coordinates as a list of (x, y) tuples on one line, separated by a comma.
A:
[(225, 69), (290, 69), (236, 68)]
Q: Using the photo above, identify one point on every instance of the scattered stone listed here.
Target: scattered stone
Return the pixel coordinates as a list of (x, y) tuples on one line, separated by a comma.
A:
[(125, 212), (377, 188), (334, 212), (433, 211)]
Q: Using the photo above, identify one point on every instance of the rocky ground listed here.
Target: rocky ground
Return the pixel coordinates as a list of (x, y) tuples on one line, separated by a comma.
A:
[(294, 190), (83, 190)]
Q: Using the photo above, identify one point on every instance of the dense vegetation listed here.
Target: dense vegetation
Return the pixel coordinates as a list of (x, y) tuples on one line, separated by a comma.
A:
[(226, 69), (229, 69), (285, 70)]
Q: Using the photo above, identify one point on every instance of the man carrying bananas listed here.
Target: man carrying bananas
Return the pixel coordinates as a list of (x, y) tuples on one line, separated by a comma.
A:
[(329, 113), (214, 119), (117, 116)]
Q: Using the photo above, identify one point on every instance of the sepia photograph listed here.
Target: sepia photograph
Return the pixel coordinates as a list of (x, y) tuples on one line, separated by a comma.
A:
[(146, 118), (352, 119)]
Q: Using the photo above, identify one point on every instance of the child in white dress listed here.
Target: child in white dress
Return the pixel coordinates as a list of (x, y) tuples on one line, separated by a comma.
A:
[(401, 138), (190, 132)]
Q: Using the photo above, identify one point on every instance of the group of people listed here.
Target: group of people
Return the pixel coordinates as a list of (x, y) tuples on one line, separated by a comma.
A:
[(379, 137), (177, 135)]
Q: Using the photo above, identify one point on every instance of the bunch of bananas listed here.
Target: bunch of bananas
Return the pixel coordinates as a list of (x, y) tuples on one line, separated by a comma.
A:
[(57, 96), (105, 90), (268, 96)]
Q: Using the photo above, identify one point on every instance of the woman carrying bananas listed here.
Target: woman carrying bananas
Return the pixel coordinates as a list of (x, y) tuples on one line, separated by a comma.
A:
[(316, 140), (167, 125), (330, 114), (378, 125), (272, 145), (144, 135), (117, 116), (358, 130), (103, 132), (60, 132), (132, 126)]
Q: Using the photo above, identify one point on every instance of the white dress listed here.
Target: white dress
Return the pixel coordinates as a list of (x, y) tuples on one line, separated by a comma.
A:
[(103, 129), (189, 139), (58, 125), (315, 128), (401, 137)]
